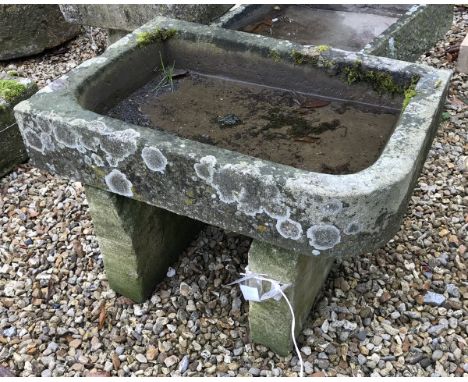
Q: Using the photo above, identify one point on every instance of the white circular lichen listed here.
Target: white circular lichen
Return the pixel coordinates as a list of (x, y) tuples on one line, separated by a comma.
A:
[(154, 159), (353, 228), (332, 207), (323, 236), (289, 229), (118, 183), (205, 168)]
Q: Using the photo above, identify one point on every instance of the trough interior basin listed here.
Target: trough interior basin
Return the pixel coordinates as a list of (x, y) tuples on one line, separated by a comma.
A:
[(268, 109), (348, 27)]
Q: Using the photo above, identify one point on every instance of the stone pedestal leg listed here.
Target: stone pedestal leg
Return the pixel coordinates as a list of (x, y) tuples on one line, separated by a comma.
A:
[(138, 241), (270, 320)]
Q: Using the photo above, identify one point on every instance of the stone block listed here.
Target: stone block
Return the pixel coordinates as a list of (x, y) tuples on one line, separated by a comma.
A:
[(12, 150), (30, 29), (127, 17), (462, 63), (138, 241), (417, 31), (270, 320)]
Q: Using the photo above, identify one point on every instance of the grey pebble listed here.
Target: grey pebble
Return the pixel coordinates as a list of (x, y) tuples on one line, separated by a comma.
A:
[(10, 332), (453, 290), (433, 298), (437, 354)]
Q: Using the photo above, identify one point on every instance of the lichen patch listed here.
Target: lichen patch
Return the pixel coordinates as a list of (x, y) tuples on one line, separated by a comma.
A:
[(252, 192), (154, 159), (118, 145), (332, 207), (118, 183), (66, 136), (323, 236), (205, 168), (33, 140), (289, 229), (352, 228)]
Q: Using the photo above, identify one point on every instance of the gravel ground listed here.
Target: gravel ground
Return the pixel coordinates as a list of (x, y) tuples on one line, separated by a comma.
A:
[(401, 311), (53, 63)]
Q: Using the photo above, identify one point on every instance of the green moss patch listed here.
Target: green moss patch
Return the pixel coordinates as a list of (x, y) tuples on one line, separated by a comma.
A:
[(10, 90), (146, 38), (322, 48), (313, 57), (299, 58), (275, 55), (381, 82), (410, 92)]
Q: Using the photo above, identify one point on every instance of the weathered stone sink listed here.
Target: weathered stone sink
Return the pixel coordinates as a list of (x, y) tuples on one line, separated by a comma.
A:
[(402, 31), (300, 220)]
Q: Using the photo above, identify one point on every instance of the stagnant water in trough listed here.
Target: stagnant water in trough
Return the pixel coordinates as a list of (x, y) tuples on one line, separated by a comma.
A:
[(307, 25), (304, 131)]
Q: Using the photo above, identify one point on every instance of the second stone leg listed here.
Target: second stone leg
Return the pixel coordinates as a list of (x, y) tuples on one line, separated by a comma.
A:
[(270, 320)]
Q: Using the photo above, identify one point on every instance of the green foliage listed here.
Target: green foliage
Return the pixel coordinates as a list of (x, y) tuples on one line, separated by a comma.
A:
[(146, 38), (445, 116), (9, 89), (168, 73)]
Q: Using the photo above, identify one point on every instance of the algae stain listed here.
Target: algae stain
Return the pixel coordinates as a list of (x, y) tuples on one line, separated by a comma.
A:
[(262, 229), (277, 119), (299, 126), (100, 173)]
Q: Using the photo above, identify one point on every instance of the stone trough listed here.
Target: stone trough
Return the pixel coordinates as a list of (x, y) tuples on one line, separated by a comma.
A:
[(401, 31), (150, 181)]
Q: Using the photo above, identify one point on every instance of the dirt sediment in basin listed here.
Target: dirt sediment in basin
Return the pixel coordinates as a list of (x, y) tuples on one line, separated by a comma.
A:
[(304, 131)]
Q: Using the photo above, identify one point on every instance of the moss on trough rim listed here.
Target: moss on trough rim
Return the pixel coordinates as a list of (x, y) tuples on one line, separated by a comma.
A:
[(159, 34), (410, 92), (10, 89), (381, 81)]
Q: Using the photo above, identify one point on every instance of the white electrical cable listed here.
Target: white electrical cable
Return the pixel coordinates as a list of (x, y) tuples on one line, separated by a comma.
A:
[(276, 286), (293, 334), (8, 127)]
